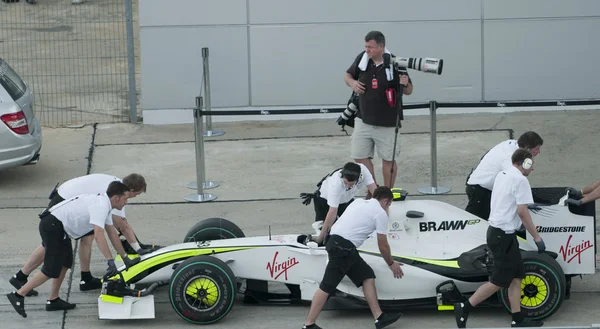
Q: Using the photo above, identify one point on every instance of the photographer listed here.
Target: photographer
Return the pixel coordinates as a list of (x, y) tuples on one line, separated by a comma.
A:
[(510, 198), (375, 123)]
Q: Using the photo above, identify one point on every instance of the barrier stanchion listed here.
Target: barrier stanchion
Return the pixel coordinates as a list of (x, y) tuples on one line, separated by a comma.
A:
[(200, 183), (206, 76), (434, 188)]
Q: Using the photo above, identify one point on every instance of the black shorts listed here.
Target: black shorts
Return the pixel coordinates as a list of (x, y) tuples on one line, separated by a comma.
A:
[(321, 208), (508, 263), (479, 201), (344, 260), (59, 250)]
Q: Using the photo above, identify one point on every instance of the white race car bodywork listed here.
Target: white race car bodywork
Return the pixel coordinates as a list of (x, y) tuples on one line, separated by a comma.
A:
[(429, 236)]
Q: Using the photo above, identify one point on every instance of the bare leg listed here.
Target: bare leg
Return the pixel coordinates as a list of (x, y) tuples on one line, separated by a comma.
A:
[(371, 296), (56, 283), (389, 179), (483, 293), (85, 252), (369, 164), (35, 260), (316, 306), (37, 280), (514, 295)]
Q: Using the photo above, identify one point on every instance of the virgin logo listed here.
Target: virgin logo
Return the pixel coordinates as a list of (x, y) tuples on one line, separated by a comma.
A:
[(571, 251), (276, 268)]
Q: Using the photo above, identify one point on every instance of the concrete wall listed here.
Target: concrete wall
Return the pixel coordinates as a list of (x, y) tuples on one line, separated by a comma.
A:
[(289, 53)]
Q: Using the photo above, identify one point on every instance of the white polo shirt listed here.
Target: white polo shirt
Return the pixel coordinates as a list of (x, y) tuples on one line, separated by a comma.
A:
[(496, 160), (79, 214), (361, 219), (511, 189), (335, 191), (92, 183)]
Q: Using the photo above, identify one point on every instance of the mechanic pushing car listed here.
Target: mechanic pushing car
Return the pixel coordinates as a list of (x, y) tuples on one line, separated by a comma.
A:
[(509, 209), (360, 220), (585, 195), (74, 218), (480, 182), (337, 190), (88, 184)]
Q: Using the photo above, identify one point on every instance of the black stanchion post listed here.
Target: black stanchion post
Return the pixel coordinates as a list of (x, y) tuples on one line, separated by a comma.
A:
[(206, 76), (200, 184), (434, 188)]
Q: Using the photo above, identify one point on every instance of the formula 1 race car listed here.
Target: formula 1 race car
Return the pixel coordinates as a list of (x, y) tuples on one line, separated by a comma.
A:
[(443, 249)]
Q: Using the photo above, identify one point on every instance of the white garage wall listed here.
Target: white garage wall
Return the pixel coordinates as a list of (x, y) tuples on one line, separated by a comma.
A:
[(284, 53)]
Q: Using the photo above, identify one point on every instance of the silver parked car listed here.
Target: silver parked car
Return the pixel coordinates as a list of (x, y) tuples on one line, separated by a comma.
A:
[(20, 130)]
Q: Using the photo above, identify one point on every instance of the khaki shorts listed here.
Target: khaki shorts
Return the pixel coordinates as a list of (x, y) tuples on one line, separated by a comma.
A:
[(365, 138)]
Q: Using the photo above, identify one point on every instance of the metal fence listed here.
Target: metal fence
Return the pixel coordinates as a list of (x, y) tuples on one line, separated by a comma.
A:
[(79, 59)]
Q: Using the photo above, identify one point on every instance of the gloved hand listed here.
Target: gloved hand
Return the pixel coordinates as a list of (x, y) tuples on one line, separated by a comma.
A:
[(143, 251), (574, 193), (307, 198), (573, 202), (541, 245), (130, 262), (112, 269)]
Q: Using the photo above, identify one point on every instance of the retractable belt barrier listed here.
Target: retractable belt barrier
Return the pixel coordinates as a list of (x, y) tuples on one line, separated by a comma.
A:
[(201, 183)]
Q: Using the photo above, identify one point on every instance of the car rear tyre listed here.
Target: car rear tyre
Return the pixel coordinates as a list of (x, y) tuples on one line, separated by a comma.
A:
[(202, 290), (213, 229), (543, 288)]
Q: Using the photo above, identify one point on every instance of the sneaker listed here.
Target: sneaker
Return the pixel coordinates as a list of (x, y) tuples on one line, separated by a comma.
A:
[(386, 319), (18, 302), (94, 284), (312, 326), (58, 305), (18, 284), (526, 323), (460, 315)]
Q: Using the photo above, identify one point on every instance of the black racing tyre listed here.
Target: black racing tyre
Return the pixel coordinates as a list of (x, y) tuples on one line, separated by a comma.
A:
[(202, 289), (543, 288), (213, 229)]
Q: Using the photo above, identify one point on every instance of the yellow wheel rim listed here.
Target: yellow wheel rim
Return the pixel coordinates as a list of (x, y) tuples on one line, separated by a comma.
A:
[(203, 290), (534, 291)]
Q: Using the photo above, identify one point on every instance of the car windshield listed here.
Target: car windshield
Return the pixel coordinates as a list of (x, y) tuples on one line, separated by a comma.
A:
[(10, 80)]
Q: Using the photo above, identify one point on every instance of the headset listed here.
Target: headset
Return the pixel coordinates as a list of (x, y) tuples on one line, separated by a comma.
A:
[(527, 164)]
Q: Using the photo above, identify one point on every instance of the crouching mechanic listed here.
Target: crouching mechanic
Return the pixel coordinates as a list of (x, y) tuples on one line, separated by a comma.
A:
[(587, 194), (361, 219), (73, 219), (510, 197), (337, 190), (88, 184), (480, 182)]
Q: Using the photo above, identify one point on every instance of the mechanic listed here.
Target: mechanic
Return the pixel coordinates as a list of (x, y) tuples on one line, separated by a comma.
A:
[(74, 218), (510, 198), (337, 190), (92, 184), (375, 122), (360, 220), (480, 182), (587, 194)]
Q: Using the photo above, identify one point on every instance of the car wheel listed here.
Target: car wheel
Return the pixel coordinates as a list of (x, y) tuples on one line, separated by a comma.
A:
[(543, 288), (202, 289), (213, 229)]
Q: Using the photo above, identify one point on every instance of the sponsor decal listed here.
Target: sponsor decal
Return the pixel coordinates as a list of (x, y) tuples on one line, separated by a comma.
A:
[(559, 229), (202, 244), (447, 225), (278, 267), (279, 239), (393, 236), (570, 251), (395, 227)]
